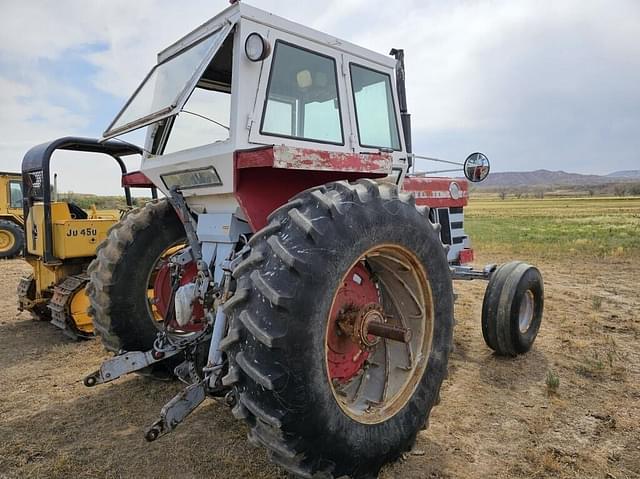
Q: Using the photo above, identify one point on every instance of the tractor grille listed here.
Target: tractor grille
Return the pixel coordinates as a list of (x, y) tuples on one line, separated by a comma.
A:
[(452, 229), (445, 232), (456, 217)]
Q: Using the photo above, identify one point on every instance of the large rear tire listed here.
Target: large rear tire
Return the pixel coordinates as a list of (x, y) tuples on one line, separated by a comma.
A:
[(120, 275), (281, 318), (11, 239)]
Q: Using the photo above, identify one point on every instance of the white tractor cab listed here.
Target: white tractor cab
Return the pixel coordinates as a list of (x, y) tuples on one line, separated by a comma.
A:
[(298, 268)]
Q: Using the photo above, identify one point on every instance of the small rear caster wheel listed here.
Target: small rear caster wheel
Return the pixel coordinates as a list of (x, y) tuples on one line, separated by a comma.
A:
[(512, 308)]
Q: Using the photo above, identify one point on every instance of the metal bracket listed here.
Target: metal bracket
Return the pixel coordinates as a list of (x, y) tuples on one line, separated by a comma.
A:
[(126, 363), (180, 206), (467, 273)]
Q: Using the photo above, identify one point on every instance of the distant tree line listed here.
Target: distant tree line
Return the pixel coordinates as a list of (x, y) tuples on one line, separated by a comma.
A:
[(86, 201), (610, 189)]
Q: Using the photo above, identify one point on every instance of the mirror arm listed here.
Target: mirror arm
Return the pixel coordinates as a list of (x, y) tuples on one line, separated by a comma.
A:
[(425, 173), (437, 159)]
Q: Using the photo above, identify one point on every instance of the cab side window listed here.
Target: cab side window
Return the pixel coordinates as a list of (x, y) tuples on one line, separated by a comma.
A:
[(375, 111), (302, 96), (15, 194)]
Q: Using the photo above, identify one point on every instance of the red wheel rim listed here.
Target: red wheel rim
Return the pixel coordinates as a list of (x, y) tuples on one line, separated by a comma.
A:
[(345, 358), (162, 297)]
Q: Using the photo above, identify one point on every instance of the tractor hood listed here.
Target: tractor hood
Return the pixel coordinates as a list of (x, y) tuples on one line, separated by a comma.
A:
[(168, 85)]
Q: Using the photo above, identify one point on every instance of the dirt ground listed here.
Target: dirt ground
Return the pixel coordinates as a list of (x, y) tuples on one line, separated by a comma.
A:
[(498, 418)]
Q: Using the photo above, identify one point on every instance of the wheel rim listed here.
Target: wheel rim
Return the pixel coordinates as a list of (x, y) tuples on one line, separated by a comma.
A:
[(388, 371), (151, 280), (525, 315), (159, 293), (7, 240)]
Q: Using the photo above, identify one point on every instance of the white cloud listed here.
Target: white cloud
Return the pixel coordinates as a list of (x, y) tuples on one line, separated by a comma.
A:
[(535, 84)]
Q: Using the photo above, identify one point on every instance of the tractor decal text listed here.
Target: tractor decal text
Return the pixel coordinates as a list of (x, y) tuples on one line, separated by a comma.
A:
[(90, 232)]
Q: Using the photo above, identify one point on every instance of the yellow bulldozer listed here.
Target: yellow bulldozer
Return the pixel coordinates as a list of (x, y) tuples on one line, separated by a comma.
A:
[(11, 221), (61, 238)]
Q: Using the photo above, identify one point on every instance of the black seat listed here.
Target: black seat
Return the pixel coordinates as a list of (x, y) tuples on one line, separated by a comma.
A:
[(77, 212)]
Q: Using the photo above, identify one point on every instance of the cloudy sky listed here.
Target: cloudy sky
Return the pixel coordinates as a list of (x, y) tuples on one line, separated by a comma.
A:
[(551, 84)]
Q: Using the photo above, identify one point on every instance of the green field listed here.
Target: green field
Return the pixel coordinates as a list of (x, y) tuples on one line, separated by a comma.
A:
[(551, 227)]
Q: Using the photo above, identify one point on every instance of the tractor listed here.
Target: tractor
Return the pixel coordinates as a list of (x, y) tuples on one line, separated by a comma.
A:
[(11, 222), (302, 268), (61, 237)]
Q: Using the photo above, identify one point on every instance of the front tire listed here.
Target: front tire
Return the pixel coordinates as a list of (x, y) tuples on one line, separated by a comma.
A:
[(512, 308), (11, 239), (281, 319)]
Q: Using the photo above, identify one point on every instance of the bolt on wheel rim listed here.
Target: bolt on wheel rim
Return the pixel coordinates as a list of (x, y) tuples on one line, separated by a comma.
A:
[(525, 315), (392, 369)]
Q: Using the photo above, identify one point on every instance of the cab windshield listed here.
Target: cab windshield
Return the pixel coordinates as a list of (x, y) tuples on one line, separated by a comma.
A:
[(205, 117), (166, 86)]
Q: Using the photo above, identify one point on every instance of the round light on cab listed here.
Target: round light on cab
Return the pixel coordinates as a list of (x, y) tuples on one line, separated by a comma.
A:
[(454, 190), (256, 47)]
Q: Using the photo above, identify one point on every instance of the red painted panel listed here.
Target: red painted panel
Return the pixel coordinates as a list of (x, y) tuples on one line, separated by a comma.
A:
[(261, 187), (255, 158), (261, 190), (286, 157), (323, 160), (466, 256), (434, 192), (136, 179)]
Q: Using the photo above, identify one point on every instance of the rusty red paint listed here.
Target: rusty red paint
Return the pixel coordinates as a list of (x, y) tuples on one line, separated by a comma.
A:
[(323, 160), (136, 179), (435, 192), (260, 187), (260, 157), (286, 157)]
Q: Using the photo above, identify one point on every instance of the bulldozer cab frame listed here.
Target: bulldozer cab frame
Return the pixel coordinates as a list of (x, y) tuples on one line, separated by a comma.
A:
[(36, 181), (11, 197)]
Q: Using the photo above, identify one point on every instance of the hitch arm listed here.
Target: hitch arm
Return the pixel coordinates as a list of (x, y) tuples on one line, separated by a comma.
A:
[(124, 364), (467, 273), (174, 412)]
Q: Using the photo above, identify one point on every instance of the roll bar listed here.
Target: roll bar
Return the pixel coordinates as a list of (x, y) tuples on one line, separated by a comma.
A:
[(36, 181)]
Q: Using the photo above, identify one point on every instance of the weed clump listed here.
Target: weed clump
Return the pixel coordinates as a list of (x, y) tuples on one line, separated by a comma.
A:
[(596, 303), (552, 382)]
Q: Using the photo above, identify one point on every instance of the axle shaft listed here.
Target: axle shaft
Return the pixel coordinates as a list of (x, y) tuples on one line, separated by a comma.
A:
[(388, 331)]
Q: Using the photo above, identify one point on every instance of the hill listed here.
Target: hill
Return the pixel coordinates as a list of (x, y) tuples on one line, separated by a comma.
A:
[(544, 178), (635, 174)]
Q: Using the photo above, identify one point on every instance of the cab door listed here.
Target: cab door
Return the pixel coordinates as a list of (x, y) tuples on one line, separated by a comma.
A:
[(301, 99), (373, 101)]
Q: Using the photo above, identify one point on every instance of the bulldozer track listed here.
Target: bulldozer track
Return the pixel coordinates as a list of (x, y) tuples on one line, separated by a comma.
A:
[(60, 305), (23, 293), (27, 301)]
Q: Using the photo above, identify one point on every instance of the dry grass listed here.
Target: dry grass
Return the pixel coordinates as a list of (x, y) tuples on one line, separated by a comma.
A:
[(497, 417)]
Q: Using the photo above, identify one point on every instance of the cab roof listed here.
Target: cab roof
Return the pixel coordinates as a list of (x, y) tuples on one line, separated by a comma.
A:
[(238, 11)]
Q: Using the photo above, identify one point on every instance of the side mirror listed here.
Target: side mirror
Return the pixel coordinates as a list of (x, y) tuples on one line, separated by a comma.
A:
[(476, 167)]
